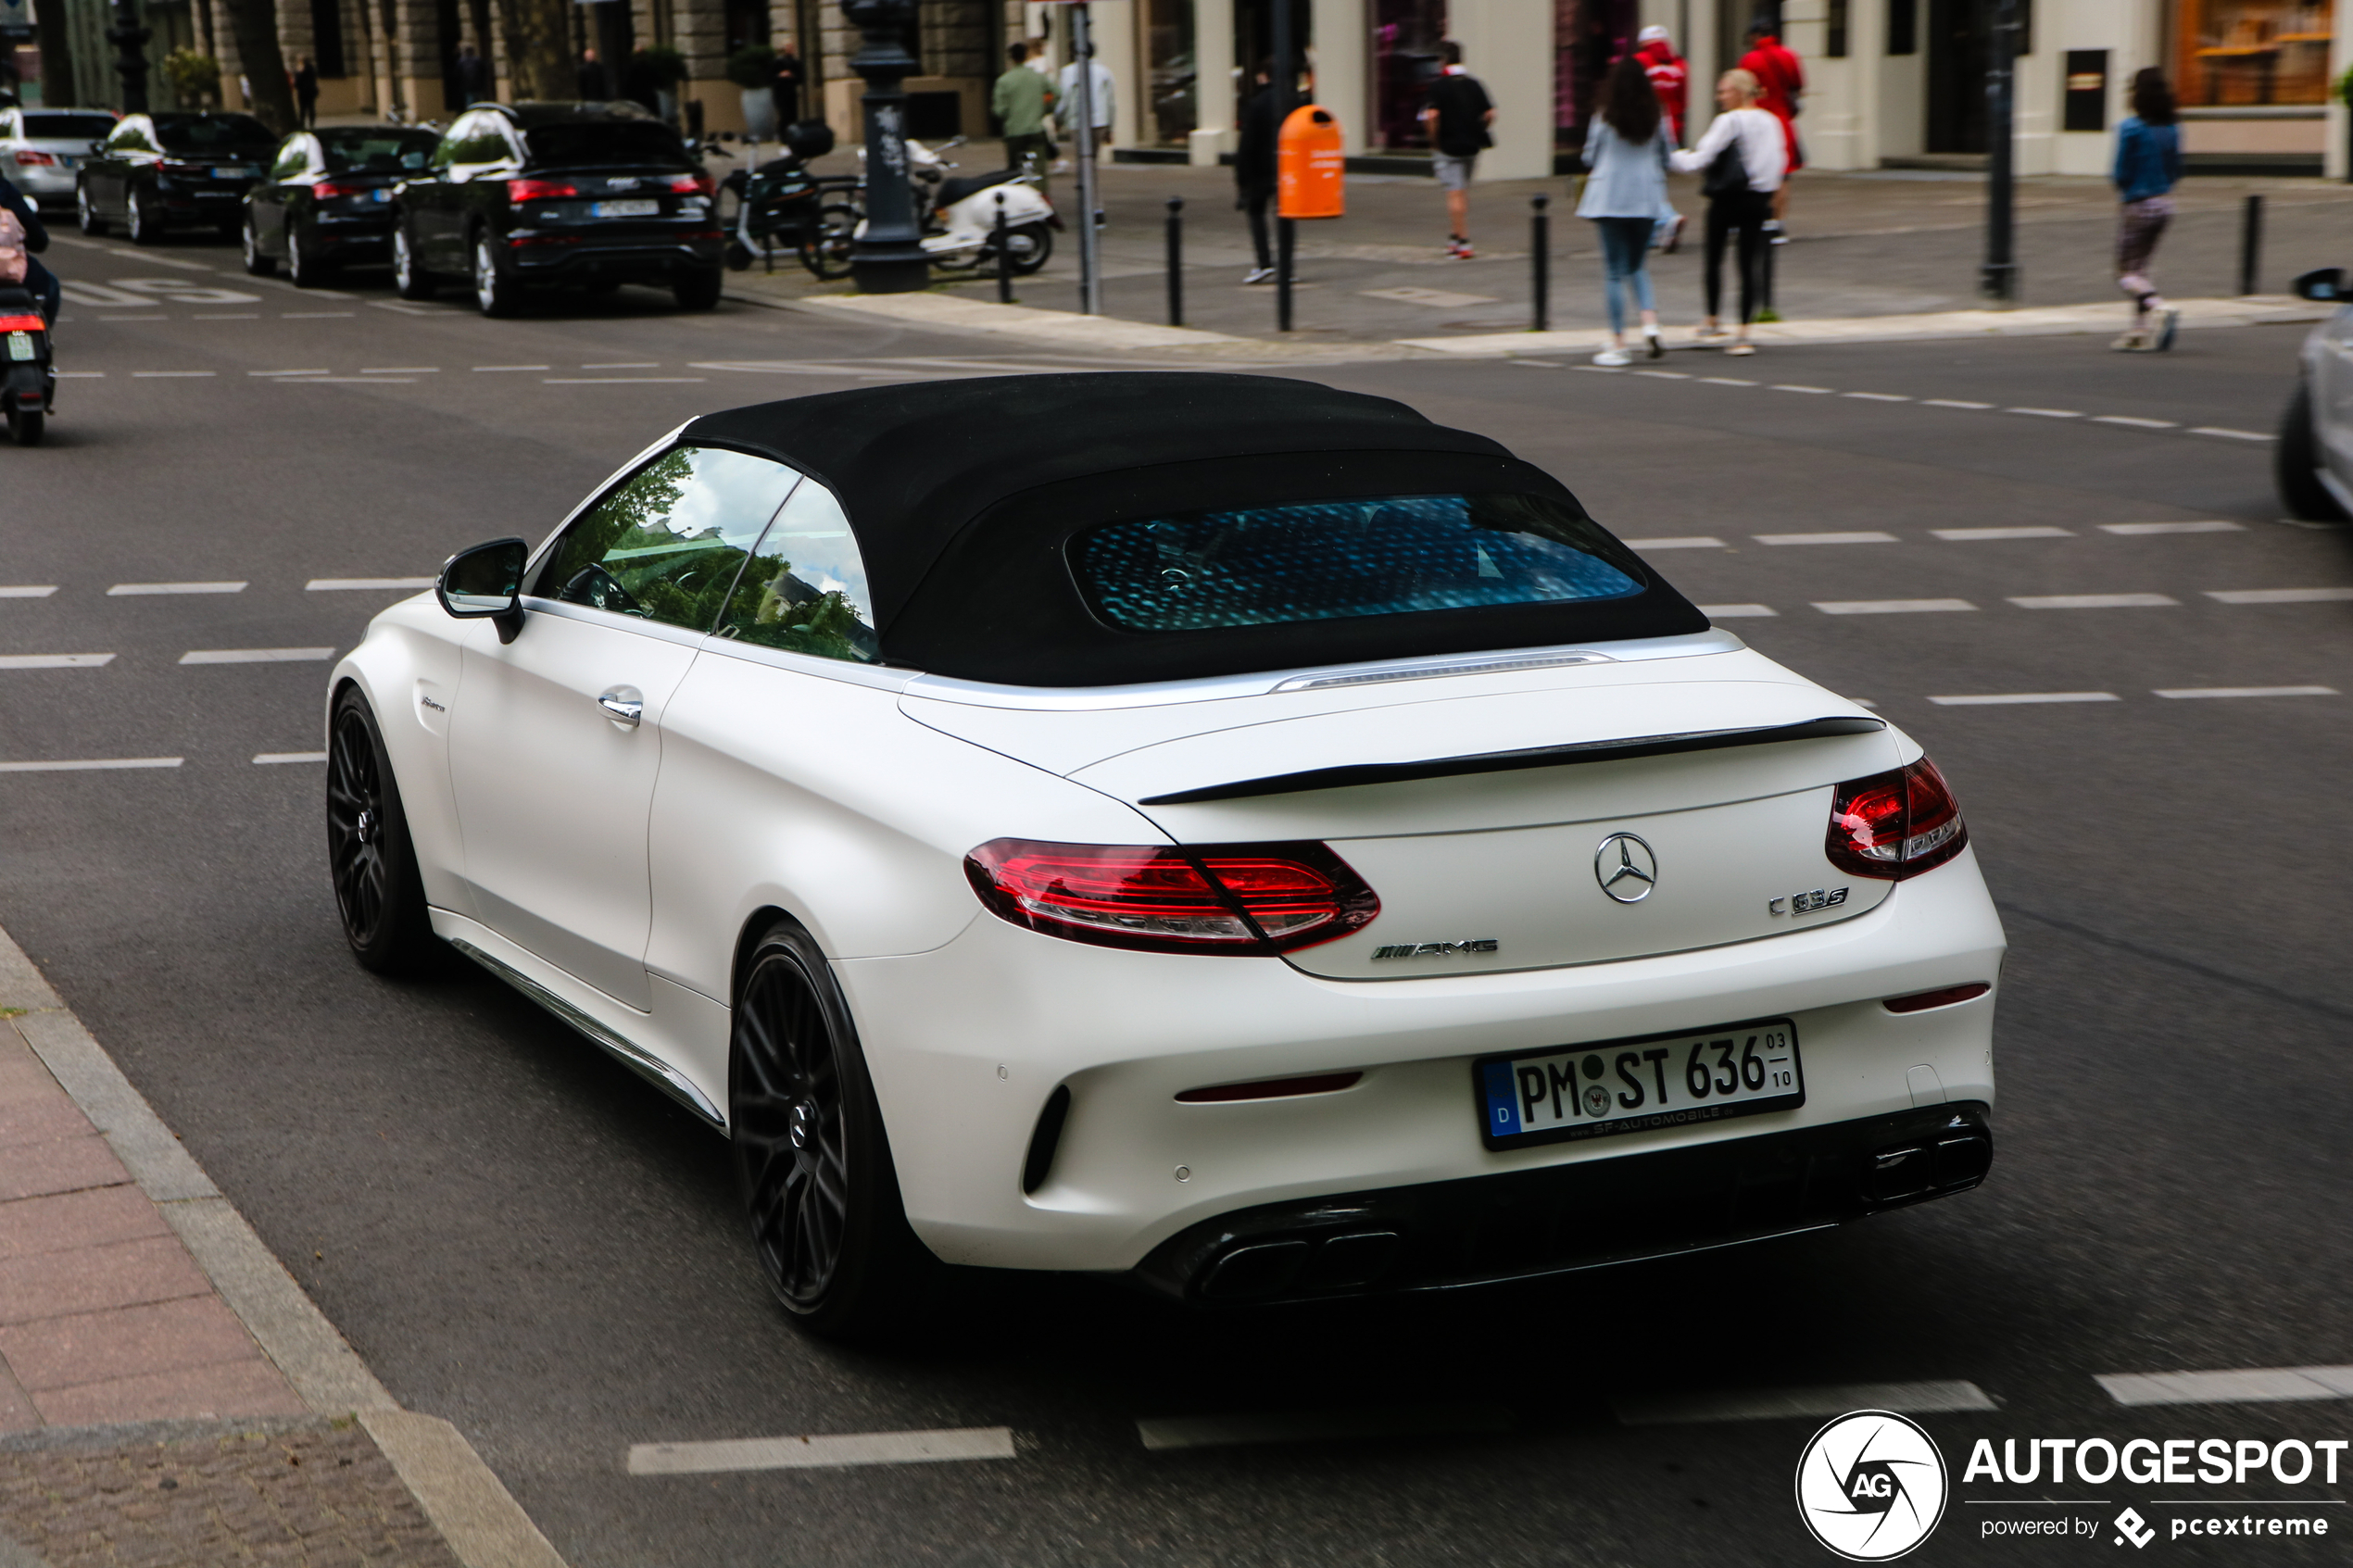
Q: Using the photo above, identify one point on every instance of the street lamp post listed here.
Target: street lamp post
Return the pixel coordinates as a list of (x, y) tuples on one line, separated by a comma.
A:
[(130, 40), (1999, 279), (889, 257)]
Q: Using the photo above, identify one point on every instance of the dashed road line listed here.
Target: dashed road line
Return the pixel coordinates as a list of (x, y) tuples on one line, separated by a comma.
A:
[(400, 369), (2247, 691), (822, 1451), (2093, 601), (619, 380), (2207, 525), (1860, 537), (2230, 435), (2251, 1386), (122, 589), (1877, 396), (318, 372), (1967, 535), (1737, 612), (1161, 1433), (255, 656), (331, 585), (1816, 391), (172, 375), (1774, 1404), (1682, 542), (2012, 699), (2048, 413), (2134, 423), (268, 757), (91, 765), (29, 591), (1953, 403), (1726, 381), (349, 381), (625, 364), (314, 315), (2278, 596), (1891, 607), (484, 370), (54, 660), (248, 316)]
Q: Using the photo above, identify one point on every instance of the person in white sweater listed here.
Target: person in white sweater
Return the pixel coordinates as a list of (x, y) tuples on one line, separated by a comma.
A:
[(1744, 157)]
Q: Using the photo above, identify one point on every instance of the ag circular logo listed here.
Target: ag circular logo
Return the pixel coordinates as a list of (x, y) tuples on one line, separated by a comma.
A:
[(1871, 1485)]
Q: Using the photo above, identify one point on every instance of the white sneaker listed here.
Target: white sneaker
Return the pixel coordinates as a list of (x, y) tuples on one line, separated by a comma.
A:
[(1260, 275), (1613, 356)]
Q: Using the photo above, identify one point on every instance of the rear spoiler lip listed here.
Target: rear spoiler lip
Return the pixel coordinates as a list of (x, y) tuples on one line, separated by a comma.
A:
[(1511, 761)]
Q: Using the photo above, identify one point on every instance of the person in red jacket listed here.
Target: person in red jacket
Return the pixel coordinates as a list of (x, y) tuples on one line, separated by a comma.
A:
[(1670, 78), (1782, 82)]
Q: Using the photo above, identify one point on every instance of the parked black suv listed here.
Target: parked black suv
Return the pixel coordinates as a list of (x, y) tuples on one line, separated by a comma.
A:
[(581, 194), (328, 199), (161, 170)]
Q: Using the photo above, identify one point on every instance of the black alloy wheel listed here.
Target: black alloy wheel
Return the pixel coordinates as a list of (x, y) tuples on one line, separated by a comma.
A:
[(140, 221), (813, 1162), (303, 269), (2295, 464), (496, 291), (85, 211), (259, 262), (409, 279), (378, 891)]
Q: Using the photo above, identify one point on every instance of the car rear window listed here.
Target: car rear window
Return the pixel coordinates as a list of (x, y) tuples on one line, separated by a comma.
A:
[(362, 152), (1326, 560), (69, 127), (589, 141), (217, 134)]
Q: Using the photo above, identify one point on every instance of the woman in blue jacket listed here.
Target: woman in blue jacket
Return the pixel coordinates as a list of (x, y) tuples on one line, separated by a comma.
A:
[(2148, 162), (1626, 195)]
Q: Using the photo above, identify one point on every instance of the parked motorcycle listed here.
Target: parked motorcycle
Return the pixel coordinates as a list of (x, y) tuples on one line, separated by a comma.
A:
[(781, 203), (28, 379), (960, 213)]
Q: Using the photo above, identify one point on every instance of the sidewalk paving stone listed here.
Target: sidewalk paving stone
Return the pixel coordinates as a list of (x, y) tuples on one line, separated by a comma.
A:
[(95, 1278), (88, 1218)]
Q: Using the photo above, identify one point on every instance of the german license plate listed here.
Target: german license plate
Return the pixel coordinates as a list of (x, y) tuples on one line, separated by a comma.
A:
[(380, 194), (624, 209), (232, 173), (1599, 1091)]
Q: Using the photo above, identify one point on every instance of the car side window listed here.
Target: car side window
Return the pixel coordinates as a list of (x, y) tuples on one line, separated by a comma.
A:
[(665, 544), (804, 588)]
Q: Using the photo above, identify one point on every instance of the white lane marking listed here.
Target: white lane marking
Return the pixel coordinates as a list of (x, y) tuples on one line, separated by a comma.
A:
[(619, 380), (398, 308), (1792, 386), (1726, 381), (481, 368), (1772, 1404), (2093, 601), (2048, 413), (29, 591), (159, 260), (90, 765), (1863, 536), (2135, 424), (1162, 1433), (2278, 596), (2250, 691), (1537, 364), (314, 315), (1964, 535), (625, 364), (400, 369), (1877, 396), (171, 375), (139, 318), (329, 585), (1889, 606), (318, 372), (82, 375), (823, 1452), (1952, 403), (2229, 434), (1684, 542), (1664, 375), (2252, 1385), (122, 588), (255, 656), (54, 660), (2208, 526), (348, 381), (2010, 699), (200, 316), (269, 756), (1737, 612), (1600, 370), (1441, 299)]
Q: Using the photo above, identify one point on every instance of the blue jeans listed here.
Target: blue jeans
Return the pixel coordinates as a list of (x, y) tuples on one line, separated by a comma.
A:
[(1626, 244)]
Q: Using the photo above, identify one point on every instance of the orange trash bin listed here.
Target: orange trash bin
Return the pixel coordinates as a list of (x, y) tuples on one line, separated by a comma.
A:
[(1310, 176)]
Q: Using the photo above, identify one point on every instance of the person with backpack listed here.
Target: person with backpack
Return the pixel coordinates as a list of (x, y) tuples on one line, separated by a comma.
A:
[(1742, 158), (2148, 165), (1625, 191), (1457, 118)]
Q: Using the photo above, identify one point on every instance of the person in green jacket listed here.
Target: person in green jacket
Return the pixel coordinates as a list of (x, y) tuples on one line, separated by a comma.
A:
[(1020, 103)]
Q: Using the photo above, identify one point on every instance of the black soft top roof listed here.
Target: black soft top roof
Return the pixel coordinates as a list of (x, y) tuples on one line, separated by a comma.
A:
[(962, 495)]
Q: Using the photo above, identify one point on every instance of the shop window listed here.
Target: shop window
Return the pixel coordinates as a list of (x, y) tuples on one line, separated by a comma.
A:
[(1165, 36), (1588, 38), (1903, 27), (2248, 52), (1406, 34), (1835, 44)]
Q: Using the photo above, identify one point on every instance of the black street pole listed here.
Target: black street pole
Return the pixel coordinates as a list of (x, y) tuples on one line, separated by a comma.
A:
[(1282, 81), (1998, 281), (889, 257), (130, 55)]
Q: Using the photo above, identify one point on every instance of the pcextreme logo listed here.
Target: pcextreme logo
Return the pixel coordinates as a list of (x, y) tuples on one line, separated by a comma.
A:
[(1871, 1485)]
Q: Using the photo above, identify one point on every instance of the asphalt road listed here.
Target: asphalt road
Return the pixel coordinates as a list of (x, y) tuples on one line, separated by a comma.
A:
[(524, 1238)]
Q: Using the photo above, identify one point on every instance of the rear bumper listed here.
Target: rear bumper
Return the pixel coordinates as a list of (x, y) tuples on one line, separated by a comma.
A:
[(50, 186), (1534, 1222), (565, 258), (346, 238)]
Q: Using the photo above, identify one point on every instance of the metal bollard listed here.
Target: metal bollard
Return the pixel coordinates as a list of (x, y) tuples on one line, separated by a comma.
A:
[(1004, 256), (2251, 246), (1539, 252), (1176, 261), (1286, 238)]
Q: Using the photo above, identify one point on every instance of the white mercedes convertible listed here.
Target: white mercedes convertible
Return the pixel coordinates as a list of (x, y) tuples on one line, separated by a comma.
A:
[(1212, 829)]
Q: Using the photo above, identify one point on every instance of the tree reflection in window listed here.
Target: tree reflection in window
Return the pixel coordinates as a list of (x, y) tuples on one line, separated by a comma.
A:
[(666, 543), (804, 589)]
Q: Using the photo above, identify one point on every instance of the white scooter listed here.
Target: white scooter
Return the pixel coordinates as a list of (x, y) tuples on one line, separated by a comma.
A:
[(960, 213)]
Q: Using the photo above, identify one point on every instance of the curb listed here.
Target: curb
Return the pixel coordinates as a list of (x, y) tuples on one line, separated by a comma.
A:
[(463, 1498)]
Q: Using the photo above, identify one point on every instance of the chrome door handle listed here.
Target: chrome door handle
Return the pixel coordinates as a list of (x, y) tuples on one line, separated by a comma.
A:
[(625, 706)]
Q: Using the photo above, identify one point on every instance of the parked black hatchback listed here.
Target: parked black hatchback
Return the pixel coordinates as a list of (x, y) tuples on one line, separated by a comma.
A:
[(172, 170), (328, 199), (593, 195)]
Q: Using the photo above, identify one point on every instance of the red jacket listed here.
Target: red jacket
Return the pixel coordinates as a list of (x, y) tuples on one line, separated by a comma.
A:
[(1779, 80), (1671, 79)]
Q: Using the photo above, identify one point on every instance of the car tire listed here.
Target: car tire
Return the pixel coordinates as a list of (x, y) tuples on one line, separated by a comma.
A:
[(370, 860), (304, 270), (139, 222), (698, 288), (812, 1161), (26, 426), (85, 212), (495, 292), (258, 263), (2295, 464), (409, 279)]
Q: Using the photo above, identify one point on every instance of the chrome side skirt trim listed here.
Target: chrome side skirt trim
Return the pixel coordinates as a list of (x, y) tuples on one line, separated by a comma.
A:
[(637, 1060)]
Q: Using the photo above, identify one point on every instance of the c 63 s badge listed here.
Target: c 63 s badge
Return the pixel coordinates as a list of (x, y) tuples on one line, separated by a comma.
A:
[(1438, 950), (1807, 903)]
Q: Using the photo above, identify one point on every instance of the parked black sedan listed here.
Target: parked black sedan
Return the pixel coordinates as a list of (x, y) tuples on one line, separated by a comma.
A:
[(593, 194), (328, 199), (172, 170)]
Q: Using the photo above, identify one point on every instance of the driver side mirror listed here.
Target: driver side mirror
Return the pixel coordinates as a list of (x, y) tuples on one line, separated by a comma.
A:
[(486, 583), (2325, 284)]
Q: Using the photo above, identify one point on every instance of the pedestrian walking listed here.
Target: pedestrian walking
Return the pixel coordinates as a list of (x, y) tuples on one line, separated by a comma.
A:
[(306, 91), (786, 87), (1254, 170), (1625, 189), (595, 84), (1456, 118), (1780, 89), (2148, 165), (1067, 100), (473, 76), (1671, 76), (1741, 158), (1019, 101)]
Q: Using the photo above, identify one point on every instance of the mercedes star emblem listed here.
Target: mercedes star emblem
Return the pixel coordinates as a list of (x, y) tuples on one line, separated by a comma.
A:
[(1625, 868)]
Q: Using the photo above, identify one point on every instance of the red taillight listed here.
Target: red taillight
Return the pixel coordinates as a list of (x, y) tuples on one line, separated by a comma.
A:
[(327, 191), (1253, 899), (691, 184), (1921, 1001), (32, 158), (1895, 825), (22, 324), (539, 190)]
